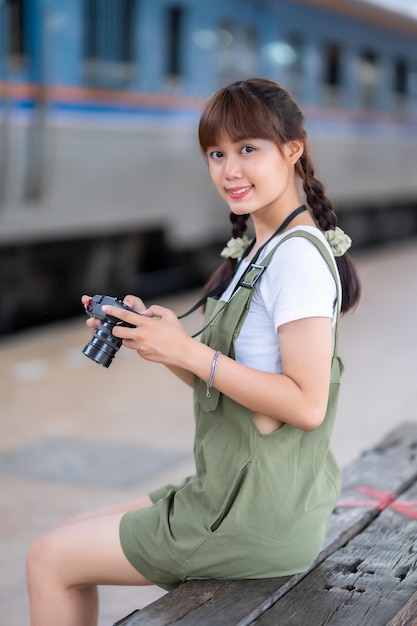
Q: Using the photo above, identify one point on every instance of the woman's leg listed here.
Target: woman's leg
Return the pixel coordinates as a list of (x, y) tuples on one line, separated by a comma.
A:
[(112, 509), (65, 566)]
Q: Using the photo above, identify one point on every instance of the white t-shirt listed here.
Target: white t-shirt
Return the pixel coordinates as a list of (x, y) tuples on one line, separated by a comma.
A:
[(296, 284)]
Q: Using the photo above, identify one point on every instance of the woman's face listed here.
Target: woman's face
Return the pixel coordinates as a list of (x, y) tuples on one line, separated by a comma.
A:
[(253, 175)]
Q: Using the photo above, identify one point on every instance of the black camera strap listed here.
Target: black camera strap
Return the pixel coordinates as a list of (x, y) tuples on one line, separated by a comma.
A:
[(249, 277)]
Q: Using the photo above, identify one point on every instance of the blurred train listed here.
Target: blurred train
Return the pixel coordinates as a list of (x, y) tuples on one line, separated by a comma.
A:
[(102, 187)]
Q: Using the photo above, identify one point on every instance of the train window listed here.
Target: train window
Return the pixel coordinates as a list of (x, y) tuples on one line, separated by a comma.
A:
[(236, 51), (174, 64), (108, 43), (288, 56), (16, 40), (332, 74), (368, 80), (400, 86)]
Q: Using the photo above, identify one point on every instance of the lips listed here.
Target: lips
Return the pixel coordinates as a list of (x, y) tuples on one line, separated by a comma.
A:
[(239, 192)]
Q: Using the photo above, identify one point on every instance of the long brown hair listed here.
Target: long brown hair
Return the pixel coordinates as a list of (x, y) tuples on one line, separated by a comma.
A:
[(260, 108)]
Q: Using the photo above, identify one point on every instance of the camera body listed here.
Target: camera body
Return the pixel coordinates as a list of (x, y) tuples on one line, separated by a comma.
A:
[(103, 346)]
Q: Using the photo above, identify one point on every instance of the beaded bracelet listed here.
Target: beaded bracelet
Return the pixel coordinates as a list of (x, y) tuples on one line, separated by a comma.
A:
[(212, 373)]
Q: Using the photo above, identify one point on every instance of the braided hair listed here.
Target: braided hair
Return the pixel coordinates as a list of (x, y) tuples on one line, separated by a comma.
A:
[(261, 108), (326, 219)]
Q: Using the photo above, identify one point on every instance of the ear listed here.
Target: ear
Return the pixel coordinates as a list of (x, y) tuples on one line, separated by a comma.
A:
[(293, 150)]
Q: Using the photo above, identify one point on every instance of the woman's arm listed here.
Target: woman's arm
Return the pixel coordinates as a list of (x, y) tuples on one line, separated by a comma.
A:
[(136, 303), (184, 375), (298, 396)]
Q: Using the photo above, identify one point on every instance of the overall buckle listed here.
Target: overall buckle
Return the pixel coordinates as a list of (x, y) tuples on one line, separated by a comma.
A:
[(251, 276)]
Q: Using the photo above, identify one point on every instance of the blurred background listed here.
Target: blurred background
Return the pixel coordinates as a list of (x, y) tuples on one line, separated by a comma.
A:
[(102, 187), (103, 190)]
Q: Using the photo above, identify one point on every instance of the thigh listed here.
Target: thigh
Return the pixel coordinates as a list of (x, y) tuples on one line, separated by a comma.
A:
[(113, 509), (89, 552)]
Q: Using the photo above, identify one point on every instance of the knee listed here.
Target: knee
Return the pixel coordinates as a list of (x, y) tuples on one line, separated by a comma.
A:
[(40, 559)]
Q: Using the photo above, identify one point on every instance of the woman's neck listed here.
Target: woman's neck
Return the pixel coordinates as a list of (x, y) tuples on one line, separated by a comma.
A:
[(264, 229)]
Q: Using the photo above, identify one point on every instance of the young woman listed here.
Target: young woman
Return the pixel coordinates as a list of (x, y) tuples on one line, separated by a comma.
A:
[(265, 373)]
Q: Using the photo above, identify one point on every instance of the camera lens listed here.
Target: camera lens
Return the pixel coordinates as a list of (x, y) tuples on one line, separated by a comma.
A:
[(103, 346)]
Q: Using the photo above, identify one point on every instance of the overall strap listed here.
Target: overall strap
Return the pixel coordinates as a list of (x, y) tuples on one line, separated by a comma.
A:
[(244, 288), (219, 288)]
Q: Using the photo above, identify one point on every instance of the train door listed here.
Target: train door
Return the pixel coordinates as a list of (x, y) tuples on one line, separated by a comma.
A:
[(23, 102), (369, 80)]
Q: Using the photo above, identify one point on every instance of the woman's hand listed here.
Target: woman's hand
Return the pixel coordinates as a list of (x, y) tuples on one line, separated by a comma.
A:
[(157, 334), (133, 301)]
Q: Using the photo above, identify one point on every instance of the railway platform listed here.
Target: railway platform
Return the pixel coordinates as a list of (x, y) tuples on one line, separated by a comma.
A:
[(75, 436)]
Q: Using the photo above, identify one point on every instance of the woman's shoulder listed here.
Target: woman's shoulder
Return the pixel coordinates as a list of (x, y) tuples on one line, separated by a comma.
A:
[(297, 266), (298, 282), (298, 259)]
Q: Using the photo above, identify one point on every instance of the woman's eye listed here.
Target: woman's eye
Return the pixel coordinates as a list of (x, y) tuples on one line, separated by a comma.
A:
[(216, 154), (247, 149)]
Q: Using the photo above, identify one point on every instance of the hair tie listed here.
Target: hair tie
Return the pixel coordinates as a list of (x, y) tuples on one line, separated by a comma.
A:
[(338, 241), (235, 247)]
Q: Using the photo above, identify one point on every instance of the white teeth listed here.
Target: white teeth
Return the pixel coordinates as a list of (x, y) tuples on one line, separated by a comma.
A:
[(242, 190)]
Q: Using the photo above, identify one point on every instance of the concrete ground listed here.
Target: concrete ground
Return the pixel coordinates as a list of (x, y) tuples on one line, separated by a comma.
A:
[(75, 436)]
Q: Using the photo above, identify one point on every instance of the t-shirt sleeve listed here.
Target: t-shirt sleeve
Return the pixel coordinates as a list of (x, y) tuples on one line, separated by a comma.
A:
[(298, 283)]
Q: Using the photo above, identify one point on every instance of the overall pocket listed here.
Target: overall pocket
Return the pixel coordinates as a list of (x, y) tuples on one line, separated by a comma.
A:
[(231, 497)]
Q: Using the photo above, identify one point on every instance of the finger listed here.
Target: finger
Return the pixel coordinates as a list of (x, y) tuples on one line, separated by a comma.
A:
[(122, 314), (92, 322), (134, 302), (159, 311)]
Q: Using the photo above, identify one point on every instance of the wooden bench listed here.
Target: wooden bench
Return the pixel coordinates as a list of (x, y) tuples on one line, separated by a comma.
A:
[(366, 574)]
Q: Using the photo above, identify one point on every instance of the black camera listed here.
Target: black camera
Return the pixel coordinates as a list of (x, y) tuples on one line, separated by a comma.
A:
[(103, 346)]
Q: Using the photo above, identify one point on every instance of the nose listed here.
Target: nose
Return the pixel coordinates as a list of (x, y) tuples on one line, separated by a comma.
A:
[(232, 168)]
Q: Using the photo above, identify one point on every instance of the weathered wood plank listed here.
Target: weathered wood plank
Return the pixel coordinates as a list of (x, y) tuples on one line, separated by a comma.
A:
[(407, 615), (368, 581), (390, 467), (385, 471), (205, 602)]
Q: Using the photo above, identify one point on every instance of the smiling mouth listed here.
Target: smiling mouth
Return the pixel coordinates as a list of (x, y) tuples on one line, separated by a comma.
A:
[(239, 192)]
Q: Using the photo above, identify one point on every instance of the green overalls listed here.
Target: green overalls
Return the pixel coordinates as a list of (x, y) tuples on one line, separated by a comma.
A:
[(258, 505)]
